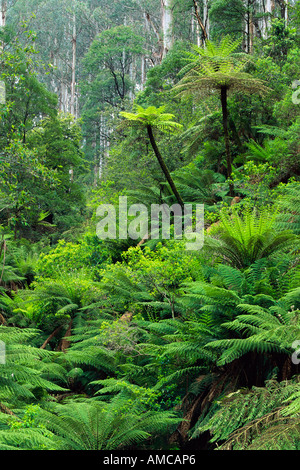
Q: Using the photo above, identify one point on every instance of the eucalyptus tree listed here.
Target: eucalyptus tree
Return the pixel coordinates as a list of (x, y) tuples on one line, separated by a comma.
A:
[(167, 25), (64, 31), (107, 87), (5, 6), (38, 147)]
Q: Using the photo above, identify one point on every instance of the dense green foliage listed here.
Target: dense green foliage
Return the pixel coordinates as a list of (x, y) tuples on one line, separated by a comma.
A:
[(138, 342)]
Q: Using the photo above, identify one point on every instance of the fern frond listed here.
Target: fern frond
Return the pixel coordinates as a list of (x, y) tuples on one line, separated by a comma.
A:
[(254, 419)]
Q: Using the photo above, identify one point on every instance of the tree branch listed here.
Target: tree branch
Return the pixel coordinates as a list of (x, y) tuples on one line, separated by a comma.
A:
[(204, 33)]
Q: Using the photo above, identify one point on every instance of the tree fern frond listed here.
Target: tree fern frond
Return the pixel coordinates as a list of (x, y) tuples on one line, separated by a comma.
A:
[(103, 426), (253, 419)]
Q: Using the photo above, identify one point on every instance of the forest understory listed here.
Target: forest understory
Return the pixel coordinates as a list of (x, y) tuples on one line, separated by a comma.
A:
[(149, 225)]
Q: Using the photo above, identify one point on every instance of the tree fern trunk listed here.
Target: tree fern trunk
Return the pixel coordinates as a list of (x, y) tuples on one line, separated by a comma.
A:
[(164, 166), (64, 344), (54, 333)]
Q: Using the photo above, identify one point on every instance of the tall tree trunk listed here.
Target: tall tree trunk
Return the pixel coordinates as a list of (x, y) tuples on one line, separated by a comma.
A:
[(226, 135), (206, 18), (143, 74), (251, 35), (150, 26), (164, 166), (200, 22), (3, 19), (167, 26), (272, 5), (248, 26), (53, 58), (268, 7), (64, 107), (199, 35), (132, 77), (3, 12), (286, 13), (96, 162), (244, 26), (73, 79), (65, 81), (265, 4), (102, 145), (248, 33)]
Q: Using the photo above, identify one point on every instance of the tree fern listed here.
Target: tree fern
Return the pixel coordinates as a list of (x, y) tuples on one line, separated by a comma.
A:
[(244, 239), (266, 331), (217, 67), (256, 419), (19, 431), (202, 186), (97, 425), (155, 118), (25, 369), (289, 207)]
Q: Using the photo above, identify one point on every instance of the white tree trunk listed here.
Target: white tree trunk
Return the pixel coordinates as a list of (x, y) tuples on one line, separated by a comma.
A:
[(200, 23), (102, 146), (150, 26), (64, 79), (143, 74), (206, 17), (267, 18), (3, 13), (267, 7), (3, 19), (64, 97), (195, 29), (248, 27), (167, 26), (251, 38), (198, 34), (96, 165), (54, 82), (73, 67)]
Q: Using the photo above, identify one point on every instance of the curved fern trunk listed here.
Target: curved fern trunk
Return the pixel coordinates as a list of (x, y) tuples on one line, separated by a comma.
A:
[(164, 166), (54, 333), (226, 136), (64, 344)]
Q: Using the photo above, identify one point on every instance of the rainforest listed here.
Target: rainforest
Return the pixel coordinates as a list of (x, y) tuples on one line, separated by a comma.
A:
[(149, 226)]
